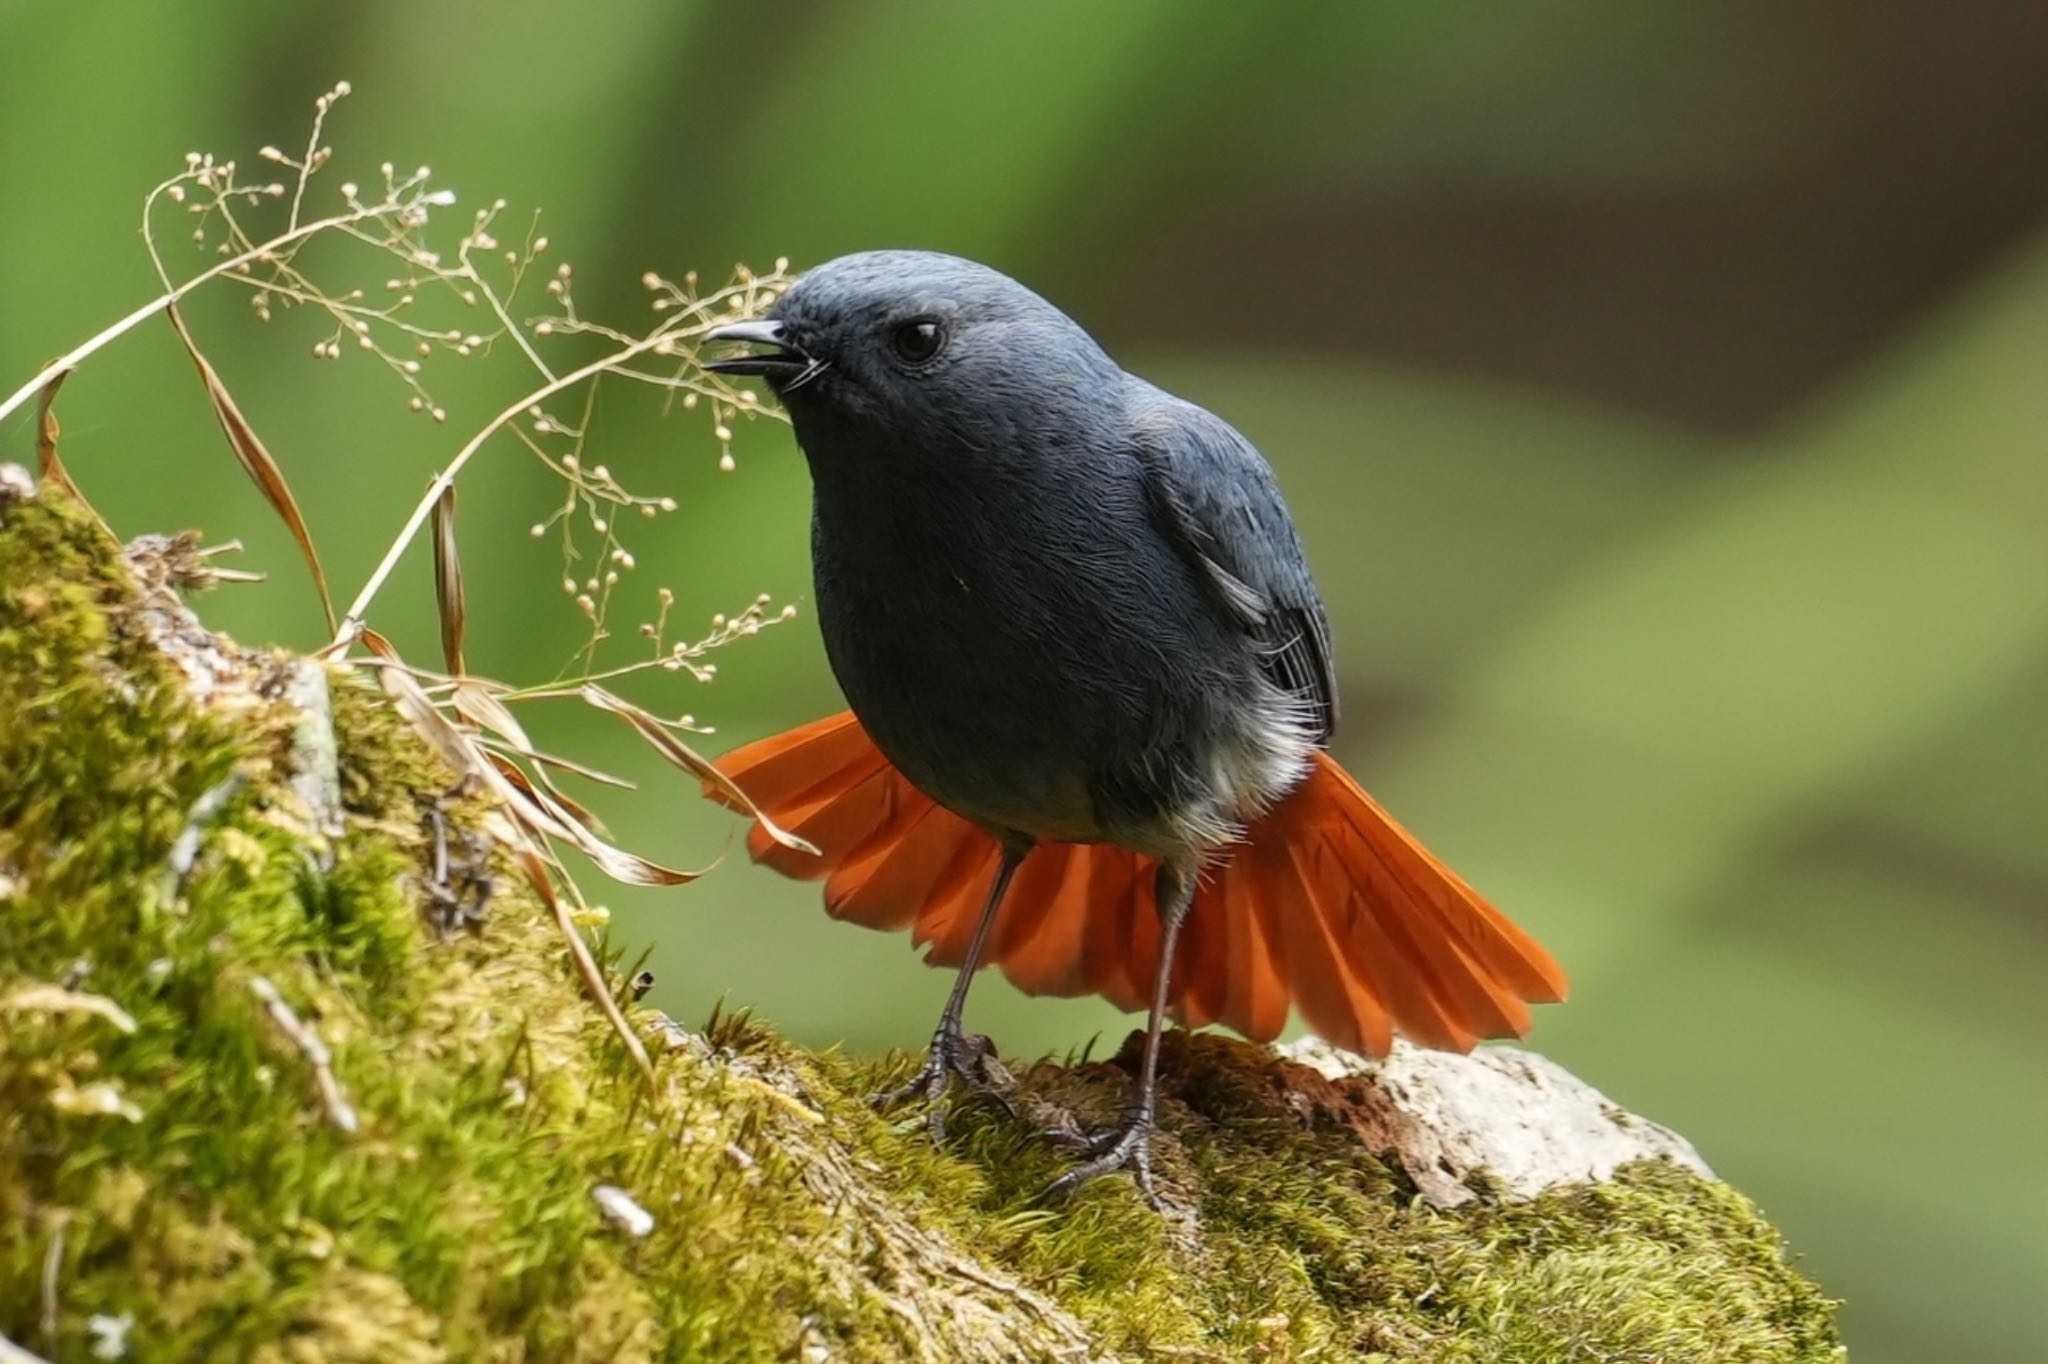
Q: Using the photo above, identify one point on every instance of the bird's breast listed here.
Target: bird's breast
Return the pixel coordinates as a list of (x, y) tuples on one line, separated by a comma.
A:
[(1035, 656)]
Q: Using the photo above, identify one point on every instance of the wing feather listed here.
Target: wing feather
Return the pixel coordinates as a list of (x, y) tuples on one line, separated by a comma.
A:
[(1215, 498)]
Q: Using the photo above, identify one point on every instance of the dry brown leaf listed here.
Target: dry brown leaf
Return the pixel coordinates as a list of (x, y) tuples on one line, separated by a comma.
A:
[(532, 806), (51, 467), (256, 462), (615, 862), (474, 703), (687, 758), (562, 764), (458, 750), (516, 774), (448, 596), (46, 436)]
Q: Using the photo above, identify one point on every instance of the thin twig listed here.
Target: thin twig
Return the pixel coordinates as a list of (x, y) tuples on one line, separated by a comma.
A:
[(72, 358), (339, 1110), (53, 1263), (446, 478)]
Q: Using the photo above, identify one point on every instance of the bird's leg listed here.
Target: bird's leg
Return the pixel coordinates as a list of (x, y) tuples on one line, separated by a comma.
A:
[(1128, 1146), (953, 1053)]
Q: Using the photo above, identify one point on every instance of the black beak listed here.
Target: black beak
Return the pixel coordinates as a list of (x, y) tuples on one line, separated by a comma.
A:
[(782, 360)]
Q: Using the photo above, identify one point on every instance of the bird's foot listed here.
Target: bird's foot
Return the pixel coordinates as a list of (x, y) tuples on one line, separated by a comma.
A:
[(953, 1055), (1127, 1146)]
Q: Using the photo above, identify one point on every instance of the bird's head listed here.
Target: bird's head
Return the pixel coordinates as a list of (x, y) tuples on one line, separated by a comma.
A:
[(917, 347)]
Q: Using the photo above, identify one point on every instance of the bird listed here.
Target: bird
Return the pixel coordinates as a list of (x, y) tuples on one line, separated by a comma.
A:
[(1091, 690)]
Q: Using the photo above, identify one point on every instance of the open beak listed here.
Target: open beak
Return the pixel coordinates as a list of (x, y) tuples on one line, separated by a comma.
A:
[(781, 359)]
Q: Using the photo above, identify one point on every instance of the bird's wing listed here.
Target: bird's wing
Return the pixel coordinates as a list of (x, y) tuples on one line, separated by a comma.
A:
[(1215, 498)]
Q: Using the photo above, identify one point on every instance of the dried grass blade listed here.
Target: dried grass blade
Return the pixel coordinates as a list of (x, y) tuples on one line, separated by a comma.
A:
[(448, 596), (562, 764), (256, 461), (558, 817), (474, 703), (531, 805), (615, 862), (458, 750), (52, 468), (683, 756), (586, 964), (350, 632), (482, 709), (512, 772)]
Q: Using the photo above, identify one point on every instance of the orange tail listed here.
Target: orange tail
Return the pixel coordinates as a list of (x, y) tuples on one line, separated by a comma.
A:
[(1329, 906)]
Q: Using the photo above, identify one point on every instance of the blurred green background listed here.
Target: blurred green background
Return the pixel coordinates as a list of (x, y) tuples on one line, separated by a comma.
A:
[(1661, 389)]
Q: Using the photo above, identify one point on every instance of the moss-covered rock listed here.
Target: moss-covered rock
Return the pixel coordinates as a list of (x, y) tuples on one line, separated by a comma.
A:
[(252, 1106)]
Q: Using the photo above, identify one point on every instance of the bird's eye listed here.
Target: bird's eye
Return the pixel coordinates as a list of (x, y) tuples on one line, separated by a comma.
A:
[(917, 342)]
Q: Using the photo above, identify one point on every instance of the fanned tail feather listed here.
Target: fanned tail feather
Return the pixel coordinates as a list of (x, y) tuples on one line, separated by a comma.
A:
[(1329, 906)]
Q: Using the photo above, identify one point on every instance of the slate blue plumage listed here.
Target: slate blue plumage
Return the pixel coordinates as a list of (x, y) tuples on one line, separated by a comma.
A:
[(1073, 609)]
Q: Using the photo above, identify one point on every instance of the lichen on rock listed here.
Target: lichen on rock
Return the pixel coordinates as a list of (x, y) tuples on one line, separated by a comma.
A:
[(165, 844)]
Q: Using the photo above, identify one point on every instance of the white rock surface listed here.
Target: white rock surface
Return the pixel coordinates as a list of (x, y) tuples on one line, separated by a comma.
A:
[(1525, 1121)]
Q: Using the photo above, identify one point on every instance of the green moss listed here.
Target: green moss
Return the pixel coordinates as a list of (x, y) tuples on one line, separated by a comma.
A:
[(1298, 1244), (234, 1218)]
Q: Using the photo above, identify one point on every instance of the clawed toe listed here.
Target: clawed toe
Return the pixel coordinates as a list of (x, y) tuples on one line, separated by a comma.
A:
[(971, 1060), (1125, 1147)]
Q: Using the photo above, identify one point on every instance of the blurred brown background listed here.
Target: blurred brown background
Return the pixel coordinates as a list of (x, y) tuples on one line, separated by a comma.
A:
[(1661, 389)]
